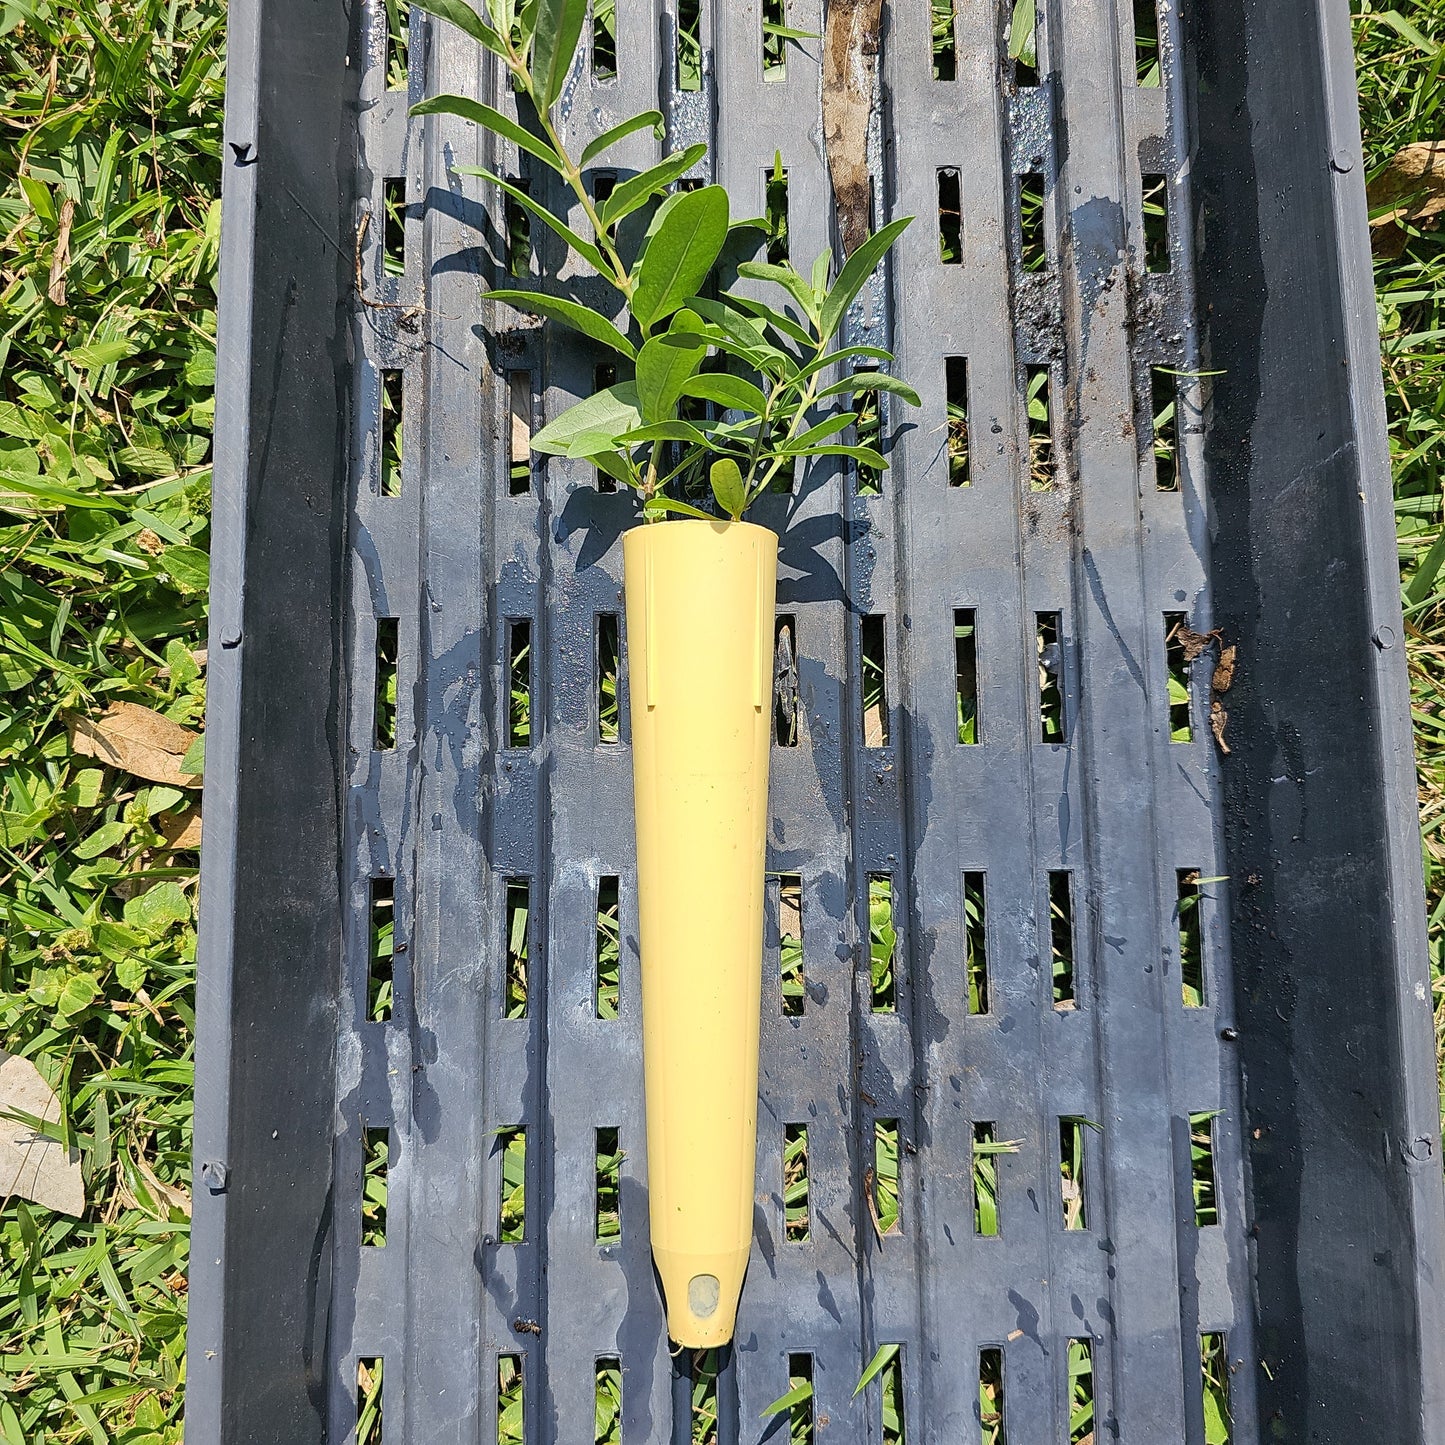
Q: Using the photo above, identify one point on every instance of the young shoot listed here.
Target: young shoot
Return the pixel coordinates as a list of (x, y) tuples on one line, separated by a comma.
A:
[(721, 384)]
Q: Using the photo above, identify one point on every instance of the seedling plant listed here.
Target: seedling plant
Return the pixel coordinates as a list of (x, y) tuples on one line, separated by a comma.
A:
[(724, 387)]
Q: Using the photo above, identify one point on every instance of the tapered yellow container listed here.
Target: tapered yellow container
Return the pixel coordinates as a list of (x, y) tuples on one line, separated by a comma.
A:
[(700, 652)]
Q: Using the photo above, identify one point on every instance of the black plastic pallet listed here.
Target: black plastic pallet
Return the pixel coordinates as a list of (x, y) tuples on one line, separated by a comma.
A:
[(1311, 1050)]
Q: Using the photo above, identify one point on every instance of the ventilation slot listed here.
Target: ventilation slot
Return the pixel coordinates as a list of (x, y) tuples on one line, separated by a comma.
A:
[(393, 231), (1061, 938), (702, 1374), (986, 1150), (1163, 407), (955, 377), (384, 709), (375, 1148), (519, 229), (785, 682), (1033, 254), (868, 429), (884, 1196), (1071, 1173), (1214, 1369), (790, 944), (398, 43), (689, 45), (875, 689), (890, 1392), (603, 376), (1176, 627), (975, 934), (607, 1178), (1081, 1392), (519, 438), (800, 1400), (1191, 938), (795, 1183), (1146, 42), (519, 683), (1039, 410), (1156, 223), (1022, 39), (965, 674), (950, 218), (604, 39), (1201, 1169), (381, 950), (945, 44), (882, 941), (519, 912), (512, 1146), (609, 705), (1049, 626), (392, 412), (775, 190), (609, 950), (775, 40), (370, 1423), (993, 1429), (608, 1396), (511, 1425)]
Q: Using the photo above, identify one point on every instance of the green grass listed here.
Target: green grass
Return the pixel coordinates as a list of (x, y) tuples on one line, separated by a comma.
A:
[(109, 149), (110, 119), (1400, 49)]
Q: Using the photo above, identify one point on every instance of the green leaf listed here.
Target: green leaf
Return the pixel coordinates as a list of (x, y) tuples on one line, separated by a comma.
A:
[(875, 1365), (105, 837), (729, 391), (131, 973), (190, 568), (80, 991), (829, 427), (100, 353), (559, 25), (572, 314), (466, 19), (795, 1396), (683, 509), (665, 431), (158, 908), (663, 366), (638, 190), (726, 479), (680, 253), (194, 761), (611, 412), (872, 381), (857, 271), (820, 274), (492, 120), (609, 138), (776, 319), (614, 466), (787, 277), (866, 455), (583, 248)]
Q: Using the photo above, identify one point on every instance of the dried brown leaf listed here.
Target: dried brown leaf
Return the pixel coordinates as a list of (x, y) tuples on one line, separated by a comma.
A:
[(137, 741), (33, 1166), (1218, 721), (60, 260), (182, 831), (149, 543), (1223, 678), (850, 57), (1413, 185)]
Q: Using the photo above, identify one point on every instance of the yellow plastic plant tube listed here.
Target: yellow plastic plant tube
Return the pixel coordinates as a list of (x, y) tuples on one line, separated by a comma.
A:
[(700, 661)]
